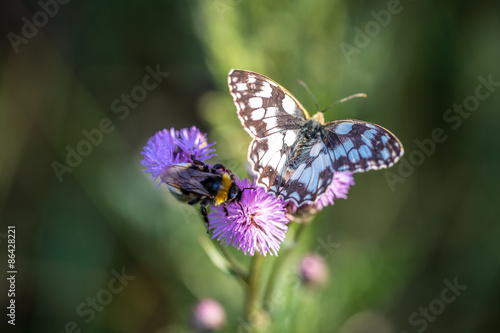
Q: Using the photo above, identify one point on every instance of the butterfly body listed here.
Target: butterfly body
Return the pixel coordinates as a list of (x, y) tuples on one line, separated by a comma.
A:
[(310, 133), (294, 155)]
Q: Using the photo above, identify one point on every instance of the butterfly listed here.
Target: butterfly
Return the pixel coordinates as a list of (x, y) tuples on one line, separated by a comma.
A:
[(293, 155)]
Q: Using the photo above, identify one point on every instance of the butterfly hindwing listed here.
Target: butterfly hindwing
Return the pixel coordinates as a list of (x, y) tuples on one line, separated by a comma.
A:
[(268, 159), (310, 179)]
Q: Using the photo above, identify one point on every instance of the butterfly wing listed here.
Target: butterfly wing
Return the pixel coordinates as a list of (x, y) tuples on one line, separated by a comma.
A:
[(359, 146), (344, 145), (310, 179), (264, 107), (273, 118)]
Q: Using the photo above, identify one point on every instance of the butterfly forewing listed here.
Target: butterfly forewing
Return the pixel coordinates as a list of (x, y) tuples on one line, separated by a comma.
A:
[(358, 146), (295, 156), (272, 116), (264, 107)]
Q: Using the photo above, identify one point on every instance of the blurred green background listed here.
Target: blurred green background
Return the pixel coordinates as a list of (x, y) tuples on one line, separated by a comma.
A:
[(395, 245)]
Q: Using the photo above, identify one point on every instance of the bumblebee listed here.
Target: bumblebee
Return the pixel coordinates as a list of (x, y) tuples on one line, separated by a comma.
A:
[(200, 183)]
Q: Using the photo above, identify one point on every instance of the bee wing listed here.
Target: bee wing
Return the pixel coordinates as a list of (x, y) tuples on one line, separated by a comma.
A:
[(182, 177)]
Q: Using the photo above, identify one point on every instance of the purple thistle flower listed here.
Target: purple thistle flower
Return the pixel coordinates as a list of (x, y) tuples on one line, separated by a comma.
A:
[(159, 152), (260, 226), (169, 147), (341, 183), (192, 142)]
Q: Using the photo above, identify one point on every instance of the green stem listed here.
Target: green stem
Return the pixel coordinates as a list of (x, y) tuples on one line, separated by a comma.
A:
[(253, 305), (236, 268), (222, 259), (300, 230), (280, 264)]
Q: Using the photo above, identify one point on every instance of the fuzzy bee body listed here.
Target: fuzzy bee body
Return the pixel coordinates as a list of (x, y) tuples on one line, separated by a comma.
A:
[(200, 183)]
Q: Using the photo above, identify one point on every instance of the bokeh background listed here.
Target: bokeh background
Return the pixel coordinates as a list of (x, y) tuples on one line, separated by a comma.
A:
[(395, 242)]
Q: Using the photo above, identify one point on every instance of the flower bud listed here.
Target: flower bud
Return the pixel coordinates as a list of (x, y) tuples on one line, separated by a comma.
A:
[(313, 270), (208, 316)]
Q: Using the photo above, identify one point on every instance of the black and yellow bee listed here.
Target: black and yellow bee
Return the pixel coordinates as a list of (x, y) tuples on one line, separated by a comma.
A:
[(200, 183)]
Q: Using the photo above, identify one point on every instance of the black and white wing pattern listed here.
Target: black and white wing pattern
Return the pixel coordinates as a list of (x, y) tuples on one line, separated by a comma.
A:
[(358, 146), (343, 145), (294, 155), (272, 116)]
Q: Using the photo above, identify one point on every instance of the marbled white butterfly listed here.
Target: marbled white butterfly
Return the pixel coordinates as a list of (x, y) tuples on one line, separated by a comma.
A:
[(294, 155)]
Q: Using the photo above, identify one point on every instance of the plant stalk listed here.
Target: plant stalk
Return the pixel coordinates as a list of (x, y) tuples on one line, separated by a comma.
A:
[(253, 306), (280, 264)]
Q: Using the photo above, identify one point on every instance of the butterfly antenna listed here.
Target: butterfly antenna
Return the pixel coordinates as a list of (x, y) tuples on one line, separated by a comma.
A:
[(345, 99), (304, 85)]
